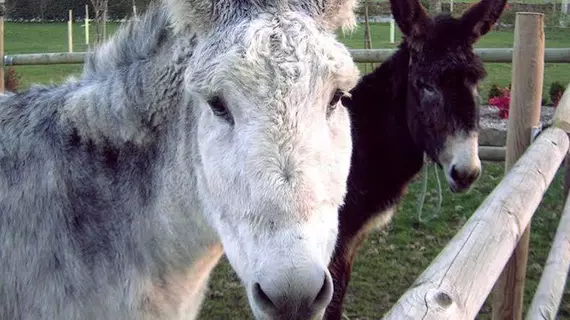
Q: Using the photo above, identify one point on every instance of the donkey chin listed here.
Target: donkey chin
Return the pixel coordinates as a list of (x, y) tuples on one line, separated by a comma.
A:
[(460, 161)]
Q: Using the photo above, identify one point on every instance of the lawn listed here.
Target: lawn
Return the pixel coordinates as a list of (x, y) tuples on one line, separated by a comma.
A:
[(390, 260)]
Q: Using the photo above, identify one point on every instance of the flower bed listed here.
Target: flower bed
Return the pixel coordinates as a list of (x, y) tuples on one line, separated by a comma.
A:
[(493, 130)]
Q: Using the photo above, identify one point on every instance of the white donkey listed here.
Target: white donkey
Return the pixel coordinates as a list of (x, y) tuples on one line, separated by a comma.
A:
[(207, 126)]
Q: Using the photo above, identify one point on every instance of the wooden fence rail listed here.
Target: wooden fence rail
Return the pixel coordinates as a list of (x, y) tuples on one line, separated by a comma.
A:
[(505, 55), (486, 241), (492, 153), (550, 289), (495, 55)]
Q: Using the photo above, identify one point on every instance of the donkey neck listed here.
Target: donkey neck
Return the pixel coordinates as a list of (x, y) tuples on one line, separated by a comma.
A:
[(130, 139), (384, 156)]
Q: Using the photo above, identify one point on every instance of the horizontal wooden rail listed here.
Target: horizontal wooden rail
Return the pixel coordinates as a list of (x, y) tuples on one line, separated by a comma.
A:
[(445, 290), (491, 153), (44, 58), (552, 55), (550, 289)]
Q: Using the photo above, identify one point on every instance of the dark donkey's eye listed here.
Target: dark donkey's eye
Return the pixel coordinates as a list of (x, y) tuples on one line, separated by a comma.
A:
[(220, 109), (425, 88), (334, 101)]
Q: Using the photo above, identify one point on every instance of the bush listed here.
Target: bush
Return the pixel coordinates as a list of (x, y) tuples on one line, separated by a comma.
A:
[(494, 91), (556, 92), (11, 79)]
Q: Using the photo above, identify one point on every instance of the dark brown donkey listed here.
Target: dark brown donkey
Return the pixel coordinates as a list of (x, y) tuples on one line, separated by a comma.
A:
[(422, 100)]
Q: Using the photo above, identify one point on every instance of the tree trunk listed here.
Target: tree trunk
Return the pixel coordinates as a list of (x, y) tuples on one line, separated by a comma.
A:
[(435, 7), (367, 36), (564, 13), (100, 8)]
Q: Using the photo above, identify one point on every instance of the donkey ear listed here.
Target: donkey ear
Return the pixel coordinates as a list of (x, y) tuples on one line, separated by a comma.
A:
[(195, 15), (479, 18), (339, 13), (411, 17)]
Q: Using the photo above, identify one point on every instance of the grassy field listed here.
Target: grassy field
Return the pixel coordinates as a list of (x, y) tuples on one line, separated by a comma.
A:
[(390, 260)]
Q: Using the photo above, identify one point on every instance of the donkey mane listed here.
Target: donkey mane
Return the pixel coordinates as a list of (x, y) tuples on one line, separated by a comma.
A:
[(139, 46), (136, 40)]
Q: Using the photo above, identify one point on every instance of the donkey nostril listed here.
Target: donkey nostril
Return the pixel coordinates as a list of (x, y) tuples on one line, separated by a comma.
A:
[(455, 174), (305, 293), (262, 298), (325, 294), (466, 177)]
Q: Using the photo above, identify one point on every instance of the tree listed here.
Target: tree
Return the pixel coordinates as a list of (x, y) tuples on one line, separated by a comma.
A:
[(100, 8), (435, 7), (11, 6)]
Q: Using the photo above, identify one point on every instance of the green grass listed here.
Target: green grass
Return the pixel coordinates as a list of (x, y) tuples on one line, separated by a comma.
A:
[(391, 260)]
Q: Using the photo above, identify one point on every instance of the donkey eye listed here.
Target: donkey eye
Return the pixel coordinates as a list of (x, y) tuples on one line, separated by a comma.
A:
[(220, 109), (426, 88), (334, 102), (336, 98)]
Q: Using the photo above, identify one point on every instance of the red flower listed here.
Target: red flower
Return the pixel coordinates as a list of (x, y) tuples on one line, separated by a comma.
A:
[(502, 103)]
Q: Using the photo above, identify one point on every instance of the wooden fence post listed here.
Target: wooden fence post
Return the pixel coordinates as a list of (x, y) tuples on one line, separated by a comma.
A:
[(87, 25), (70, 32), (524, 114)]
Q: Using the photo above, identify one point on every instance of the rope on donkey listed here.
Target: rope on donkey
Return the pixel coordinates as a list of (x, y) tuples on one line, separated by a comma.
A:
[(422, 197)]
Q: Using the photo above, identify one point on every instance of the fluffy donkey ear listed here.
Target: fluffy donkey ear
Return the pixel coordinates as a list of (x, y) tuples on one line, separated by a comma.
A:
[(197, 15), (481, 17), (339, 13), (411, 17)]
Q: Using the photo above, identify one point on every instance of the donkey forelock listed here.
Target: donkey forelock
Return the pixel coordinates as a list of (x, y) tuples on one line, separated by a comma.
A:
[(277, 54), (203, 15)]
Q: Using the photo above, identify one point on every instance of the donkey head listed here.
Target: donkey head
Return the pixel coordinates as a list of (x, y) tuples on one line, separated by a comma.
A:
[(443, 74), (273, 140)]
